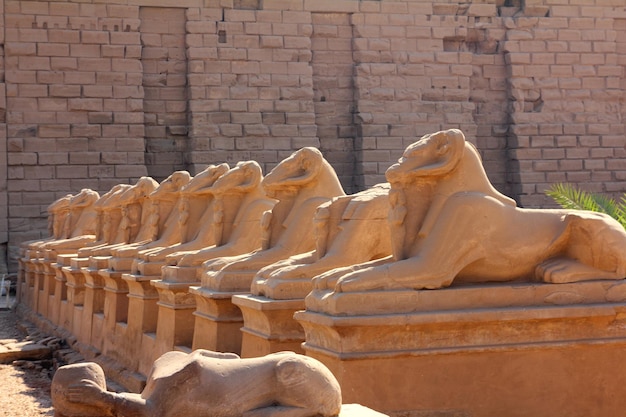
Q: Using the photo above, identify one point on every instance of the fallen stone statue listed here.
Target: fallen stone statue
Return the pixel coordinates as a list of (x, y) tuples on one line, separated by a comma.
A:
[(204, 383)]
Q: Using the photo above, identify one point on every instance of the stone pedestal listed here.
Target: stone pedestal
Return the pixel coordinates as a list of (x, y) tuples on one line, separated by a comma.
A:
[(46, 298), (46, 294), (21, 286), (27, 275), (93, 309), (269, 325), (175, 324), (180, 273), (115, 311), (146, 360), (34, 281), (150, 268), (218, 321), (75, 282), (122, 265), (57, 304), (485, 350), (142, 318)]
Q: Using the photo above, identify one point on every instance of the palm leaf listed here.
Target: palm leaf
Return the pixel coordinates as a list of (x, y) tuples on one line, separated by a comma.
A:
[(570, 197), (622, 211)]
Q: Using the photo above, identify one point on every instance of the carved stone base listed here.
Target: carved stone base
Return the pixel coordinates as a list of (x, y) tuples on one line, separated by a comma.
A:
[(47, 276), (180, 273), (115, 311), (38, 282), (57, 303), (146, 360), (120, 264), (28, 283), (93, 308), (175, 323), (465, 297), (142, 318), (269, 325), (75, 282), (518, 349), (150, 268), (218, 321)]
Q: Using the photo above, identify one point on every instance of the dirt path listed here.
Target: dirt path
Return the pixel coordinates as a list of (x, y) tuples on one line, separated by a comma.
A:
[(25, 384)]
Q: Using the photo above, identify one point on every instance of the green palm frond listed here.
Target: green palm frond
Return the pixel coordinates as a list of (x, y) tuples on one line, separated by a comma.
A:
[(570, 197), (622, 211)]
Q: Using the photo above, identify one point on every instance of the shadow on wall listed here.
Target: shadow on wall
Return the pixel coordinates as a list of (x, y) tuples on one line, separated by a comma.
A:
[(3, 258)]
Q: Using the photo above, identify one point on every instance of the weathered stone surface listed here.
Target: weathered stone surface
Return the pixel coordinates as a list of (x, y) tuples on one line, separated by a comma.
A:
[(14, 350), (278, 384)]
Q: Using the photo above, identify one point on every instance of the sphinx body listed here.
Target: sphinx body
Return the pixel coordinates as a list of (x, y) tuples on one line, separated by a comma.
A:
[(197, 196), (349, 230), (58, 212), (449, 224), (135, 207), (80, 224), (238, 205), (205, 383), (109, 216), (160, 226), (300, 183)]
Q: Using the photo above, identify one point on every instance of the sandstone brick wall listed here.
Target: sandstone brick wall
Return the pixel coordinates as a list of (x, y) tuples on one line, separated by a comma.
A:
[(164, 61), (333, 87), (102, 92), (250, 84), (566, 91), (74, 103)]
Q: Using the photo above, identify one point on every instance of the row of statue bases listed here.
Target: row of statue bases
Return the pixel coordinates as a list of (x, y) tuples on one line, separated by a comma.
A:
[(386, 288)]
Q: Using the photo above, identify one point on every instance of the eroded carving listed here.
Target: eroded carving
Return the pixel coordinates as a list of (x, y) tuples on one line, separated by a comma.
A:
[(205, 383)]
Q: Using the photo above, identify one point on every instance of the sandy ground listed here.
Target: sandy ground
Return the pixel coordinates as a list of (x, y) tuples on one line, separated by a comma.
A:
[(25, 385)]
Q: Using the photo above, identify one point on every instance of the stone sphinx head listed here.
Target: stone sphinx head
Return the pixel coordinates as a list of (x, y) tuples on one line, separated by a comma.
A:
[(294, 172), (244, 177), (433, 155), (201, 183), (61, 387), (86, 198), (169, 187)]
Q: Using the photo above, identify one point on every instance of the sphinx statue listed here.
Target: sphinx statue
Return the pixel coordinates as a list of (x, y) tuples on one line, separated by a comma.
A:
[(197, 229), (80, 225), (58, 212), (161, 224), (349, 230), (205, 383), (109, 215), (120, 212), (237, 208), (448, 224), (300, 183), (136, 208)]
